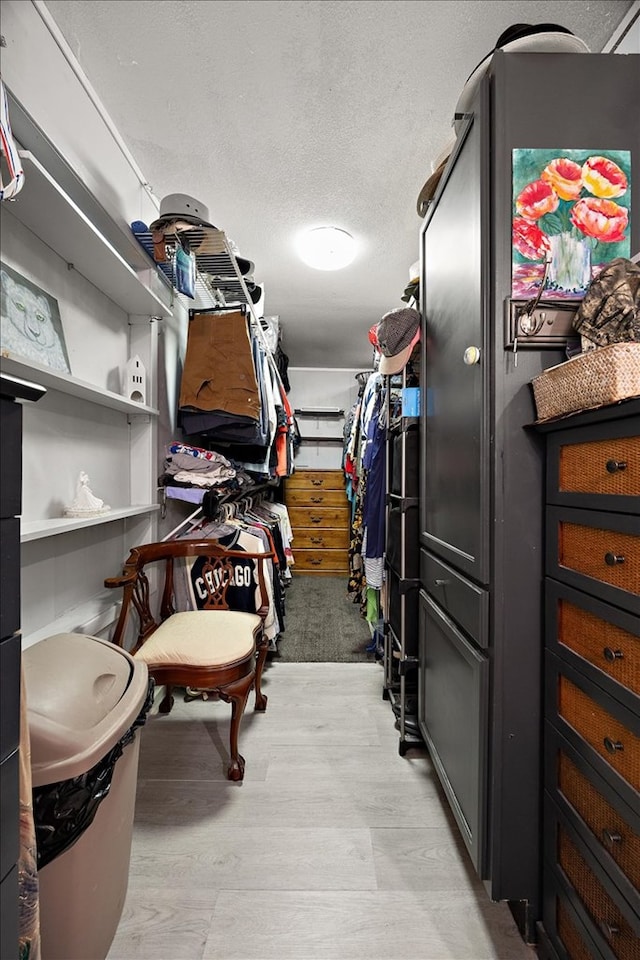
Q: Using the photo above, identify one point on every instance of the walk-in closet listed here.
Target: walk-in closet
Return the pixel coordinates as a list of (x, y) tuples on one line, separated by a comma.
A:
[(320, 480)]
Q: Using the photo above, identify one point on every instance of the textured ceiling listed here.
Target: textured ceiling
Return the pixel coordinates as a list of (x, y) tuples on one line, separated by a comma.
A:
[(283, 114)]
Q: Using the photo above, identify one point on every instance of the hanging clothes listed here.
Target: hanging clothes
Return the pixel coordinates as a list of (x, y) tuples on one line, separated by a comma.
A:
[(374, 461), (219, 372)]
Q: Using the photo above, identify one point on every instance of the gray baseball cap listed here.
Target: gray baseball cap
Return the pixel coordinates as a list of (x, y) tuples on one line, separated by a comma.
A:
[(398, 332)]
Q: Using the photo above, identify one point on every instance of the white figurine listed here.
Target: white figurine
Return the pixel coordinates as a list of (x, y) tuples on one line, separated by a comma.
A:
[(85, 503)]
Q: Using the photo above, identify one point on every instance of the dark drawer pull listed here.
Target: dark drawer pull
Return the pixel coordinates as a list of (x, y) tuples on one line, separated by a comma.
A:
[(315, 519), (611, 559), (614, 465), (318, 540), (613, 746), (608, 929), (611, 837), (317, 483), (316, 499), (316, 561), (612, 655)]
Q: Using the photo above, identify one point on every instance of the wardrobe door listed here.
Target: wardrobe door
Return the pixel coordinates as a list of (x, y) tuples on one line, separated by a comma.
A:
[(455, 458)]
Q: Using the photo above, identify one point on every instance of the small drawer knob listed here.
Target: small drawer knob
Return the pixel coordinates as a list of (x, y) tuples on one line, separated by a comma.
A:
[(315, 519), (316, 561), (471, 356), (613, 466), (316, 499), (613, 746), (609, 929), (612, 559), (317, 483), (612, 655), (317, 540), (611, 837)]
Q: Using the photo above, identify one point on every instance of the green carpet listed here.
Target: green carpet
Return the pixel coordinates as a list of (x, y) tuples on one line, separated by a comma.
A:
[(322, 624)]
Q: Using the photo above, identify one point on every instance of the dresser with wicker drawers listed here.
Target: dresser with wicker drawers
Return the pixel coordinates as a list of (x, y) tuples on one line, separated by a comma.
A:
[(320, 516), (591, 886)]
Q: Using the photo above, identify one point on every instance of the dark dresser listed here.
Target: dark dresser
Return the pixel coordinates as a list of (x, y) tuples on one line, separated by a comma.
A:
[(11, 389), (480, 671), (591, 877)]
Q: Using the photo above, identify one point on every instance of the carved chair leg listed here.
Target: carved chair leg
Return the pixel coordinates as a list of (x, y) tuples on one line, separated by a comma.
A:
[(261, 698), (236, 694), (167, 701)]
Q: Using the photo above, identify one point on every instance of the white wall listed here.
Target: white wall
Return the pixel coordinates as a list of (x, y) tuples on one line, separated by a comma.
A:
[(626, 38), (321, 387)]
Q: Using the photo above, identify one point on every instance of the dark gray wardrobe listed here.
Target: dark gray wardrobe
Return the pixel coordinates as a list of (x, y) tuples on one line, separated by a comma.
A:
[(482, 488)]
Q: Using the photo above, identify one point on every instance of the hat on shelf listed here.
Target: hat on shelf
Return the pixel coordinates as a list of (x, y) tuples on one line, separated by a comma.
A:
[(180, 206), (397, 333), (411, 291), (519, 38), (255, 290), (437, 169), (245, 266)]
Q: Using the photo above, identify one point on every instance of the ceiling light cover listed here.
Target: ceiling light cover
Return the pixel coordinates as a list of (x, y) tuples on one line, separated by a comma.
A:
[(327, 248)]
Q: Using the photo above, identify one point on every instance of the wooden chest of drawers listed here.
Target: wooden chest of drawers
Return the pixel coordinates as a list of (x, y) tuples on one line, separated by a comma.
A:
[(320, 516), (592, 687)]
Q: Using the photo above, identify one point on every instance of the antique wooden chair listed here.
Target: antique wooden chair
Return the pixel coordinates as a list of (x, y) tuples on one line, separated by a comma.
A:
[(213, 648)]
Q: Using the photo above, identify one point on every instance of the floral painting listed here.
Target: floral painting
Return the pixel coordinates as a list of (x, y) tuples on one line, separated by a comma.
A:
[(571, 216)]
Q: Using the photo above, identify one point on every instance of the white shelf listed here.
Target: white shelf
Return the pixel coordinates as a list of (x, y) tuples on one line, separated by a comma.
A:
[(38, 529), (65, 383), (90, 617), (44, 207)]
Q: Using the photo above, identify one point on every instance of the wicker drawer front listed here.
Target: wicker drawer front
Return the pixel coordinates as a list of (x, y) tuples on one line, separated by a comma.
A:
[(319, 539), (614, 742), (316, 498), (606, 646), (606, 824), (607, 917), (315, 480), (322, 517), (609, 556), (331, 561), (568, 933), (601, 467)]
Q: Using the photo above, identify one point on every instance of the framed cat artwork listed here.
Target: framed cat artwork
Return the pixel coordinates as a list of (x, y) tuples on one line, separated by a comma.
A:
[(30, 324)]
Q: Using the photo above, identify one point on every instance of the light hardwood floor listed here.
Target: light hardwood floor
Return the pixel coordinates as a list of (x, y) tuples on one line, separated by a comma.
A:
[(334, 848)]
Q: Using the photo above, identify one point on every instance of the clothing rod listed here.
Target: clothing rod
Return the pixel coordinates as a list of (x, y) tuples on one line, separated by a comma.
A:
[(191, 517)]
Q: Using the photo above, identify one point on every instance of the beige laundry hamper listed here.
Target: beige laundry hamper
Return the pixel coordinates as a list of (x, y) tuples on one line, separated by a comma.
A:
[(85, 696)]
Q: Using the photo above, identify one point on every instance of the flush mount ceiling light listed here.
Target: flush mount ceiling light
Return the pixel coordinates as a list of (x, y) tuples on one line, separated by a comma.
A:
[(326, 248)]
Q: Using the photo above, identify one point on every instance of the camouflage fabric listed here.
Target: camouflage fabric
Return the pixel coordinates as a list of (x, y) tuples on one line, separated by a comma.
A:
[(610, 310)]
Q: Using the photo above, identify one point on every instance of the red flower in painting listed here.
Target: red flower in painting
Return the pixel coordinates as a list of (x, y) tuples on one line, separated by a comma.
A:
[(564, 176), (536, 199), (529, 240), (602, 219), (603, 178)]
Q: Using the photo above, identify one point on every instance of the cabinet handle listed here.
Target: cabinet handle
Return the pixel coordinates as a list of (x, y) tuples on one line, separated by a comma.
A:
[(611, 559), (316, 499), (317, 540), (612, 655), (317, 483), (315, 519), (614, 465), (613, 746), (316, 561), (471, 356), (611, 837), (608, 929)]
